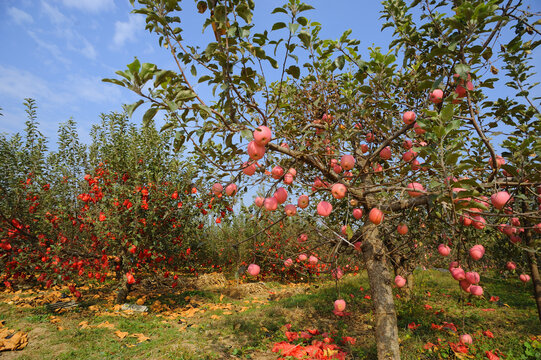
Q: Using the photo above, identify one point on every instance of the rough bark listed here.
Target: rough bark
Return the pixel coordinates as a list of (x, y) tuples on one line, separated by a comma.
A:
[(123, 291), (534, 271), (382, 296)]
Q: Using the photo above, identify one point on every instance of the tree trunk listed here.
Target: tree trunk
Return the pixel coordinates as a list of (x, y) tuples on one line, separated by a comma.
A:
[(534, 270), (123, 291), (382, 295)]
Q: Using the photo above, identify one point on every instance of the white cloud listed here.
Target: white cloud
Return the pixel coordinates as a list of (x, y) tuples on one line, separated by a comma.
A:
[(19, 16), (75, 90), (90, 5), (19, 84), (54, 14), (52, 48), (126, 31), (65, 29)]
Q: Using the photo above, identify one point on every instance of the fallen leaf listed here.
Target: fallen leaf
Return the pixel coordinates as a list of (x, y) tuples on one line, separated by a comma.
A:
[(221, 297), (121, 334), (12, 341), (215, 317), (106, 324), (140, 337), (84, 325)]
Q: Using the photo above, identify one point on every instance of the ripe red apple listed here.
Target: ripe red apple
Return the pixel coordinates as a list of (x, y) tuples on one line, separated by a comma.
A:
[(408, 156), (253, 269), (460, 91), (511, 266), (378, 168), (290, 209), (357, 213), (436, 96), (324, 208), (477, 252), (458, 273), (347, 162), (288, 179), (231, 189), (339, 191), (277, 172), (303, 201), (259, 201), (375, 216), (337, 169), (130, 278), (499, 199), (217, 188), (292, 171), (473, 277), (364, 148), (415, 165), (465, 285), (418, 130), (499, 161), (271, 203), (415, 186), (312, 260), (399, 281), (248, 169), (339, 305), (444, 250), (370, 137), (524, 278), (262, 135), (409, 117), (385, 153), (407, 144), (466, 339), (302, 257), (476, 290), (302, 238), (256, 151), (479, 222), (288, 263), (402, 229), (281, 195), (337, 273)]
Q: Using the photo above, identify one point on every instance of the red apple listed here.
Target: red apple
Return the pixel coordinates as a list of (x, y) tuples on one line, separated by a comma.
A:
[(347, 162), (409, 117), (324, 208), (262, 135), (375, 216)]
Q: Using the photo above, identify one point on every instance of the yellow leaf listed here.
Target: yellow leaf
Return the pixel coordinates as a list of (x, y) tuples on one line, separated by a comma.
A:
[(140, 337), (215, 317), (107, 325), (121, 334), (221, 297), (84, 324)]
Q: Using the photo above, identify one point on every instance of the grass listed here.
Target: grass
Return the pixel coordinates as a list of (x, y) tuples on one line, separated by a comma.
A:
[(246, 328)]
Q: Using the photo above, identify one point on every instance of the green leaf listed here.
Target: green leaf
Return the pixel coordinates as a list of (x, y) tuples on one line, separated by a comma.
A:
[(179, 141), (185, 95), (447, 112), (340, 62), (149, 115), (131, 108), (114, 81), (246, 134), (167, 126), (294, 71), (293, 28), (302, 20), (244, 12), (279, 10), (463, 70), (278, 25), (305, 38), (134, 66)]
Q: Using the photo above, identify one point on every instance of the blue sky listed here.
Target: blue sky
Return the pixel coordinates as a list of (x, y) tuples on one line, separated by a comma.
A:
[(57, 51)]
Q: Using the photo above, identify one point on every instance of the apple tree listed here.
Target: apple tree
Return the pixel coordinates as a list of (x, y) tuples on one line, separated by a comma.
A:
[(411, 135)]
